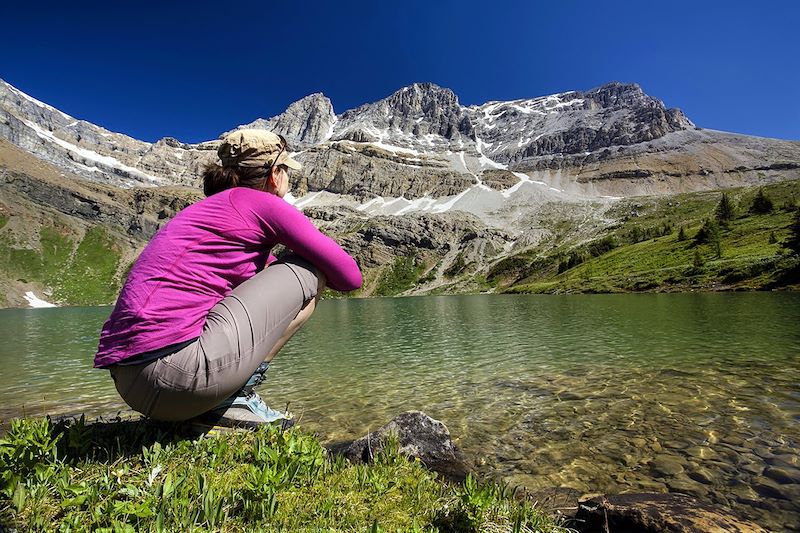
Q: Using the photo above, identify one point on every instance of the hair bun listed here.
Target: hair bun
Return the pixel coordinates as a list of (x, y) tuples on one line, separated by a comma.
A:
[(217, 178)]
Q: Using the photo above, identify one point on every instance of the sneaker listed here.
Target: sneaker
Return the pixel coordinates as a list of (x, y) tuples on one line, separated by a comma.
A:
[(244, 409)]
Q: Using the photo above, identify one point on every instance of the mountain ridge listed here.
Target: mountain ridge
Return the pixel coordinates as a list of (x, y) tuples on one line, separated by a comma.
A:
[(423, 114), (416, 186)]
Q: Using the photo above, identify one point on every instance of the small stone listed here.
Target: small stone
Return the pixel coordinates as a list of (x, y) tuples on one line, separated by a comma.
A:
[(419, 436), (733, 440), (782, 476), (701, 475), (742, 492), (638, 442), (733, 447), (790, 460), (727, 468), (682, 483), (768, 488), (784, 450), (647, 484), (752, 468), (656, 447), (700, 452), (763, 452), (667, 465)]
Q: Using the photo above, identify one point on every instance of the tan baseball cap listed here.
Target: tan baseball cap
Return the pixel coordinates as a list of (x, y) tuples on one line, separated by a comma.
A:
[(252, 148)]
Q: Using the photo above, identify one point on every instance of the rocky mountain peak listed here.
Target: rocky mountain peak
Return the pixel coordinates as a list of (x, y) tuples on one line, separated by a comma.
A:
[(421, 114), (616, 93), (630, 96), (421, 96), (306, 122)]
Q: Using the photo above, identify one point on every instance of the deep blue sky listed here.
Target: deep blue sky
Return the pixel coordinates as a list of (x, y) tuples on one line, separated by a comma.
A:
[(196, 69)]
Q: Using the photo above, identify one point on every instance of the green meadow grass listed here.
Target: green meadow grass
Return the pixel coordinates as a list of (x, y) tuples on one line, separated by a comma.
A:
[(139, 476)]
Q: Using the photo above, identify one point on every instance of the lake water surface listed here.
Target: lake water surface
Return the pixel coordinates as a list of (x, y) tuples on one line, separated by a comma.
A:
[(691, 393)]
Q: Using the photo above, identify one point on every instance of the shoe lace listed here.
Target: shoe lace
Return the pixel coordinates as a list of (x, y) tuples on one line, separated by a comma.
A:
[(256, 405), (255, 380)]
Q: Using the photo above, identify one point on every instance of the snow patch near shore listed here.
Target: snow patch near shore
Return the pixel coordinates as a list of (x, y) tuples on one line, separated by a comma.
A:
[(36, 302)]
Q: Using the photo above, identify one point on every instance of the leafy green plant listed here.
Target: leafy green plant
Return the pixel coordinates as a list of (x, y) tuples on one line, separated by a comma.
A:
[(30, 443)]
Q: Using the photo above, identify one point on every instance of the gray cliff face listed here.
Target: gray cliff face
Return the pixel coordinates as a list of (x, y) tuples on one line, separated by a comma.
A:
[(436, 240), (307, 122), (366, 171)]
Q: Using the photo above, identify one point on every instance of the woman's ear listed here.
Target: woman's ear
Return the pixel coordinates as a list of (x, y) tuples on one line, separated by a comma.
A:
[(272, 179)]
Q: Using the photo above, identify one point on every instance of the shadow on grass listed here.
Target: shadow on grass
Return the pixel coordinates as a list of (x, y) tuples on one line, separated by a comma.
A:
[(77, 439)]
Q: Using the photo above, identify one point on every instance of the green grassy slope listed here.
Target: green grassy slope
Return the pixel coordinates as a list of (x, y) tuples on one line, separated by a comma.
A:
[(646, 253), (78, 269)]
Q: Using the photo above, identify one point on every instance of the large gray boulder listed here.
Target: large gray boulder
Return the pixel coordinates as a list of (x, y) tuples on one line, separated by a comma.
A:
[(419, 435)]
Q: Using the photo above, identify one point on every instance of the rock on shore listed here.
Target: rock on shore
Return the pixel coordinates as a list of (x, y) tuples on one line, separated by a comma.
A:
[(419, 436), (646, 512)]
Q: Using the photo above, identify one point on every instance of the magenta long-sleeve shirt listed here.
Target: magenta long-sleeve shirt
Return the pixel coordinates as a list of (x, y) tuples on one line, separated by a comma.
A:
[(199, 257)]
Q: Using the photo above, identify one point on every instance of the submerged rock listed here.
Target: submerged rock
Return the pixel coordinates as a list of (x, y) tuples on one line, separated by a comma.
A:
[(419, 436), (647, 512)]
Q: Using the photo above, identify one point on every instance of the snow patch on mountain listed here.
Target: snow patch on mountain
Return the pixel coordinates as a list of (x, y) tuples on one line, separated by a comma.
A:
[(39, 103), (93, 156)]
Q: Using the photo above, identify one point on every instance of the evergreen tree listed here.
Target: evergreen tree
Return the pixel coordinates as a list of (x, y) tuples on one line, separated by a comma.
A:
[(682, 234), (793, 243), (710, 234), (762, 204), (697, 261), (724, 212), (790, 204), (772, 238)]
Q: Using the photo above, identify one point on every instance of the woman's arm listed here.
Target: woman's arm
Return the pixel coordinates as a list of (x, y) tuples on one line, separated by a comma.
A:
[(286, 225)]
